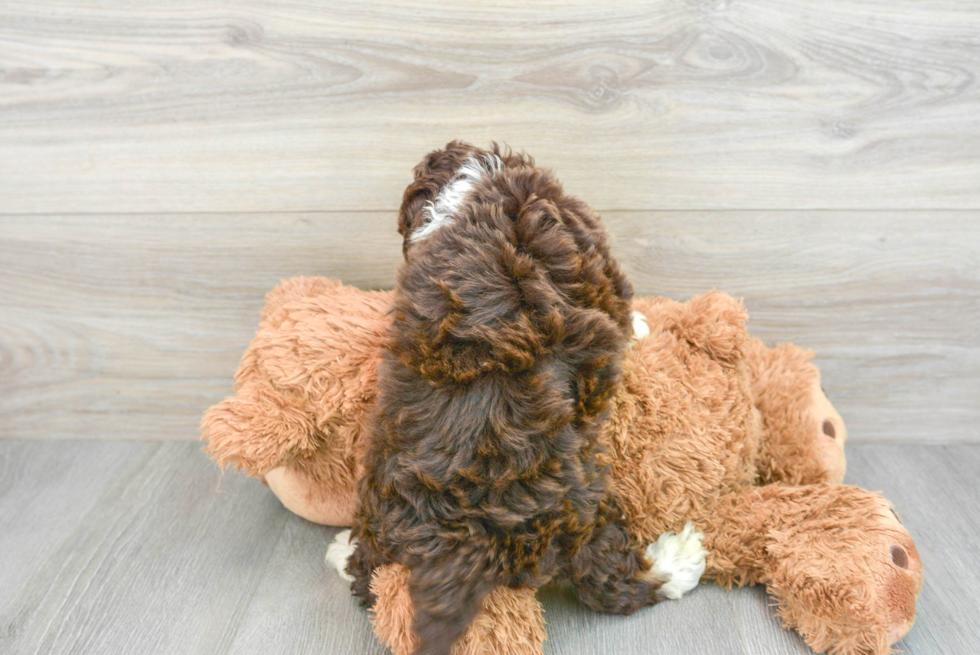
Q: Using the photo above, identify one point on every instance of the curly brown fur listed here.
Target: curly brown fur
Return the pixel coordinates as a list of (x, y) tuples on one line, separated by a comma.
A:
[(484, 467)]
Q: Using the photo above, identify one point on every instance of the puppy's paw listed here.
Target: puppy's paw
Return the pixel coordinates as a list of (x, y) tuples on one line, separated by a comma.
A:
[(339, 552), (678, 560), (640, 328)]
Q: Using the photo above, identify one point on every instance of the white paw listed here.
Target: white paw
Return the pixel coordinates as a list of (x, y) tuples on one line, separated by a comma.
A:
[(339, 552), (678, 560), (640, 327)]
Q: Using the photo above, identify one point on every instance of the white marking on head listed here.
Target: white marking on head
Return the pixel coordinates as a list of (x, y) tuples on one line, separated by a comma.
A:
[(339, 552), (439, 212), (678, 561)]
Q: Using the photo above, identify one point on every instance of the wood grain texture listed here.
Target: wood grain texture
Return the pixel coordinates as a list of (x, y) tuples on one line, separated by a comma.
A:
[(890, 302), (129, 327), (145, 548), (45, 495), (318, 105)]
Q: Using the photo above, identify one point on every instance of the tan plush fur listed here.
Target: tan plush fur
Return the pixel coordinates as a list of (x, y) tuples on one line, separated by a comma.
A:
[(709, 426), (511, 621), (302, 392)]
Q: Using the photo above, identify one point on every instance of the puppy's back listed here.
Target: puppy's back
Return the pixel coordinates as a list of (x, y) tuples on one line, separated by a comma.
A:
[(510, 319)]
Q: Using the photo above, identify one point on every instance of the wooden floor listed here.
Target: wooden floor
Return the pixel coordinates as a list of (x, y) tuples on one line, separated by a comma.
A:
[(110, 547)]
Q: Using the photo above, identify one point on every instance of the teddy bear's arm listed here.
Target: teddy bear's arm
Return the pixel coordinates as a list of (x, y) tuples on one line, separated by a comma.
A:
[(842, 567), (306, 380), (256, 430)]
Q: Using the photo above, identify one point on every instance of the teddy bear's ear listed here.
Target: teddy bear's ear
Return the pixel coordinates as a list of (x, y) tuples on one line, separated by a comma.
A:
[(256, 430)]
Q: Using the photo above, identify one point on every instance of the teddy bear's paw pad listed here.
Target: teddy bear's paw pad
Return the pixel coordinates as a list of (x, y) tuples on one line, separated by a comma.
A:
[(339, 552), (640, 328), (678, 560)]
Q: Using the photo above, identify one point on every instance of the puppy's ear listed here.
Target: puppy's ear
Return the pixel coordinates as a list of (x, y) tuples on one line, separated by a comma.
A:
[(430, 175)]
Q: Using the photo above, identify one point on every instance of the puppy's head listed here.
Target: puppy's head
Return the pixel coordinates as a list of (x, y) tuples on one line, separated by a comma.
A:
[(442, 182)]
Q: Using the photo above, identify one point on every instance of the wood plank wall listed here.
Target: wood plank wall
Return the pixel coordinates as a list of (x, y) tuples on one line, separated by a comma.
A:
[(162, 166)]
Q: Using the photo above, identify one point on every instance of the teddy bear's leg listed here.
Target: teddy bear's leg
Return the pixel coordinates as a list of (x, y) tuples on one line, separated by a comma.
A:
[(253, 430), (844, 570), (802, 440), (511, 621), (272, 436), (318, 496)]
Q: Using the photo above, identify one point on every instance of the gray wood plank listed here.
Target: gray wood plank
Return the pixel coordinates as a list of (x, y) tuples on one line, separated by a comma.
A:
[(162, 563), (665, 628), (936, 493), (45, 494), (129, 327), (135, 548), (759, 631), (301, 606), (326, 104)]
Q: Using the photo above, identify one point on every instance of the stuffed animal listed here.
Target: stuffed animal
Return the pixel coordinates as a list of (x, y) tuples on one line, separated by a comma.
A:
[(711, 430)]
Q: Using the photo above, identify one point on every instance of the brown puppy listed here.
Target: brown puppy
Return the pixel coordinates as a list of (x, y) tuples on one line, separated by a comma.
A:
[(510, 320)]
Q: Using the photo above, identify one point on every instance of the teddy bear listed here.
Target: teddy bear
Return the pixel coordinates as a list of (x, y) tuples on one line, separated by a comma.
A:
[(710, 430)]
